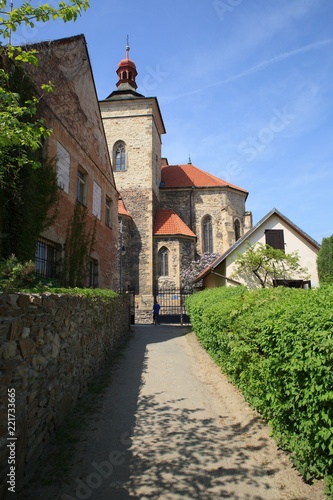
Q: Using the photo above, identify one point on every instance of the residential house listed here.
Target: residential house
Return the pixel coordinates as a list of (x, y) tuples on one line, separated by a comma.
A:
[(276, 230)]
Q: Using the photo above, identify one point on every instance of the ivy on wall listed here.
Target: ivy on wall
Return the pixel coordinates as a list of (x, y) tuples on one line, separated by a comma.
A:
[(79, 245), (28, 196)]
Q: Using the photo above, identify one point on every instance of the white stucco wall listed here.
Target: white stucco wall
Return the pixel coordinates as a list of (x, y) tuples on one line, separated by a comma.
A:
[(293, 241)]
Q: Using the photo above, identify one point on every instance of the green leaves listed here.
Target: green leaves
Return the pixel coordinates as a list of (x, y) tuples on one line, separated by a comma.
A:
[(276, 345), (19, 126), (265, 264), (28, 15), (325, 261)]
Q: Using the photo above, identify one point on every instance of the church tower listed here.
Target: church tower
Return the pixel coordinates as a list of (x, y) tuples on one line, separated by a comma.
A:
[(134, 126)]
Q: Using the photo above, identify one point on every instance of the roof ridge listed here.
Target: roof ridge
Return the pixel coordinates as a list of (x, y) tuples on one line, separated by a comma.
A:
[(188, 168)]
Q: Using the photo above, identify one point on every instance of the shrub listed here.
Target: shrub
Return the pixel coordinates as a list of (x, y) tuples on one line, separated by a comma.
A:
[(15, 275), (276, 345)]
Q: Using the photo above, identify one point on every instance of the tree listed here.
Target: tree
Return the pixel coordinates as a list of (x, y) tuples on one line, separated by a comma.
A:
[(19, 126), (188, 275), (261, 264), (27, 191), (325, 261)]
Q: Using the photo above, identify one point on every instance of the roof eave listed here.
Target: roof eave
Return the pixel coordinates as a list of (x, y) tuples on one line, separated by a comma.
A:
[(175, 235)]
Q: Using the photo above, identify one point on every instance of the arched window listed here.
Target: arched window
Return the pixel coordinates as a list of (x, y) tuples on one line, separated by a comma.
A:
[(237, 229), (163, 262), (124, 75), (120, 157), (207, 231)]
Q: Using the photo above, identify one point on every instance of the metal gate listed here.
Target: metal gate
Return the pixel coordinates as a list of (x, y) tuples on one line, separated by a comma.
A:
[(172, 302)]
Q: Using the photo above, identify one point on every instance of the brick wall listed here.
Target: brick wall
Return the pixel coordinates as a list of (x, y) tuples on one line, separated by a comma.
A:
[(51, 346)]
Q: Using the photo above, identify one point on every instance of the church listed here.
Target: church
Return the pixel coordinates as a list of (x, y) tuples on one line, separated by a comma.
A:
[(169, 215)]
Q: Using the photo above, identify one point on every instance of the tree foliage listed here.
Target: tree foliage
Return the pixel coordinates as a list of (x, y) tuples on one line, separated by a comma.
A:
[(27, 191), (187, 276), (19, 126), (325, 261), (261, 264)]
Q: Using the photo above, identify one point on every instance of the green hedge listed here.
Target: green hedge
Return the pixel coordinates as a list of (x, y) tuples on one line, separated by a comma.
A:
[(276, 345)]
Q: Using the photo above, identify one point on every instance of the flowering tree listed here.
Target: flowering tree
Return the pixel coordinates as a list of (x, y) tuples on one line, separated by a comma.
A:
[(187, 276), (261, 264)]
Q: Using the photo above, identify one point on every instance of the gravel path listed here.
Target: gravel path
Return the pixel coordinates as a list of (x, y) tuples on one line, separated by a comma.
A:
[(172, 427)]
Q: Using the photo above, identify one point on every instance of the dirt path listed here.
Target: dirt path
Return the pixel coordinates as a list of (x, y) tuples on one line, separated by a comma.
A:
[(172, 427)]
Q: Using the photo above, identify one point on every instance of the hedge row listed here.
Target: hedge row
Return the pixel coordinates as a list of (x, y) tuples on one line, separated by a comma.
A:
[(276, 346)]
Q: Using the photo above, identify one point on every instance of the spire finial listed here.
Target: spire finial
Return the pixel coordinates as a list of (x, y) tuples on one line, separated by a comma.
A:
[(127, 47), (189, 160)]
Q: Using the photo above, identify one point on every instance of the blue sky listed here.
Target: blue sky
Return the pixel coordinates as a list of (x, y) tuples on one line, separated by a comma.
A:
[(245, 88)]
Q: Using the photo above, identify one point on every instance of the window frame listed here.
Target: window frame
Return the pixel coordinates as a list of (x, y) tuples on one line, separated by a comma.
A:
[(275, 239), (97, 201), (63, 167), (108, 211), (119, 164), (47, 257), (237, 227), (93, 273), (163, 262), (207, 234), (82, 186)]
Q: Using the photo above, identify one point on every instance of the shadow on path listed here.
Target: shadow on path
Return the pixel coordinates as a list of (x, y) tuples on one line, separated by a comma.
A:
[(160, 434)]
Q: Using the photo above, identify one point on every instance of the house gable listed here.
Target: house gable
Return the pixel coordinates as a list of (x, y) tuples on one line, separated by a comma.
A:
[(295, 239)]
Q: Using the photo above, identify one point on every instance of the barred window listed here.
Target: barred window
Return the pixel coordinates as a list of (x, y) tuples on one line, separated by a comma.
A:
[(46, 258)]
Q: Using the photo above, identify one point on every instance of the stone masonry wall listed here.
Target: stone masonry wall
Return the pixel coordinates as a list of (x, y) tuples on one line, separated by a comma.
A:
[(222, 204), (51, 346)]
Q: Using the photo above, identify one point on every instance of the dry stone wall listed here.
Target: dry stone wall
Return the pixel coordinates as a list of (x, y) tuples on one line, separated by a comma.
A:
[(51, 346)]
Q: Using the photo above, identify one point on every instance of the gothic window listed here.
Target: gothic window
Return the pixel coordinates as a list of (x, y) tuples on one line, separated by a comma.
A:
[(163, 262), (207, 232), (237, 229), (119, 157)]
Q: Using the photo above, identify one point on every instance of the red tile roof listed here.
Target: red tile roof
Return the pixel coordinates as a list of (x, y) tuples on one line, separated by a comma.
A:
[(122, 210), (167, 222), (180, 176)]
